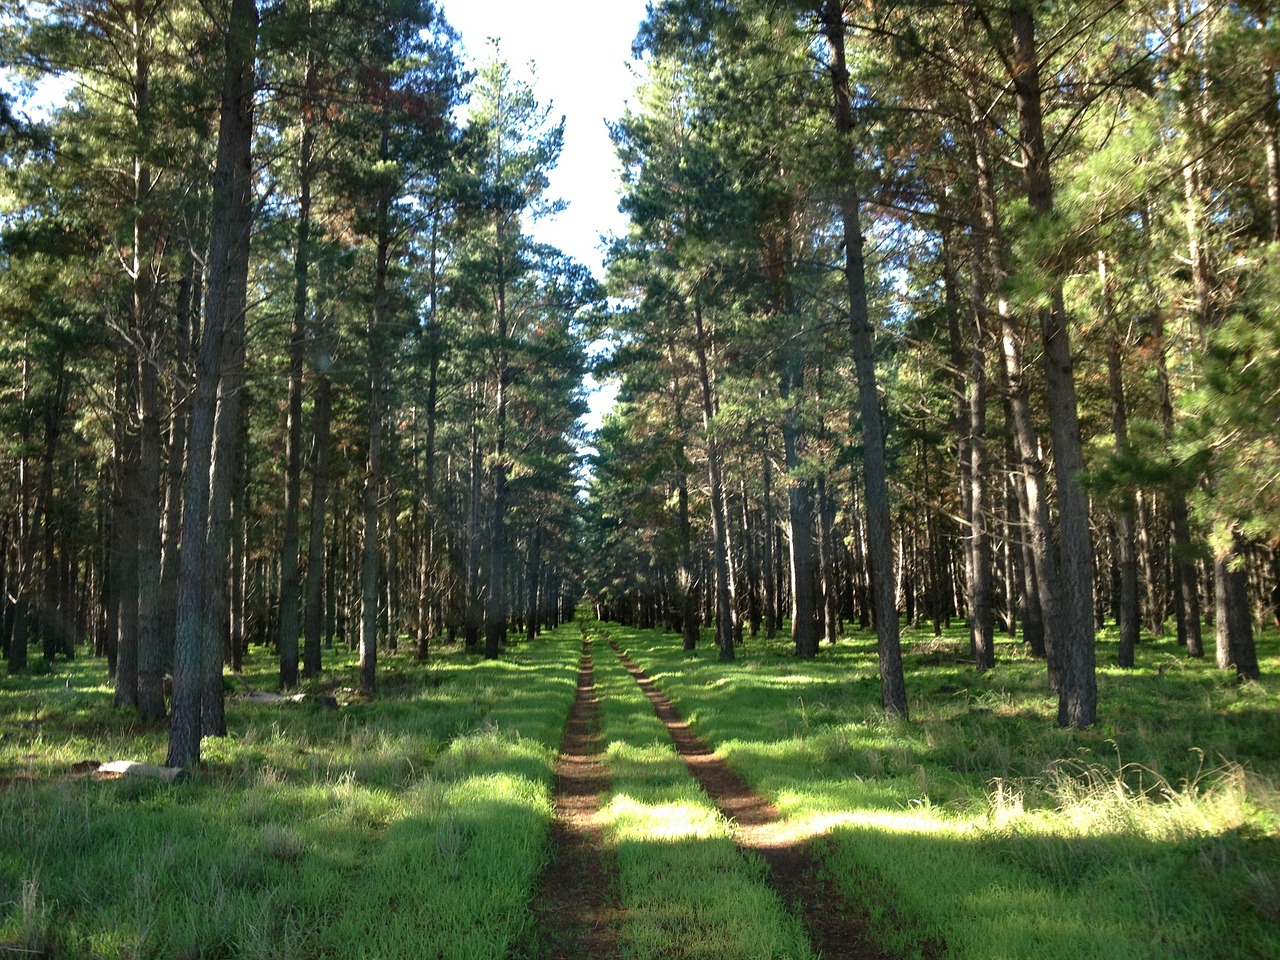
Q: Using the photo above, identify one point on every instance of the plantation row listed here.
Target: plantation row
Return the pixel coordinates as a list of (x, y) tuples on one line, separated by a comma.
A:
[(416, 825)]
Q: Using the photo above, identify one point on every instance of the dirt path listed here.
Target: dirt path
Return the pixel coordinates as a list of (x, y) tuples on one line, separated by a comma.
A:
[(575, 908), (836, 928)]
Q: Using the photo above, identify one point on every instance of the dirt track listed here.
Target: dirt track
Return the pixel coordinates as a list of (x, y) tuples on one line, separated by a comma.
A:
[(576, 908)]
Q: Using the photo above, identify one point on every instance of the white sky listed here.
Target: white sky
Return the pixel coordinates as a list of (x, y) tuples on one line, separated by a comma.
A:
[(581, 51), (581, 56)]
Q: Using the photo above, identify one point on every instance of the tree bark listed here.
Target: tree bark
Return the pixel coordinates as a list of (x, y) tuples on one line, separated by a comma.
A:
[(893, 691), (724, 594), (970, 387), (290, 577), (313, 616), (375, 332), (1077, 694), (1236, 649), (768, 560), (800, 520), (150, 446), (1129, 619), (228, 254)]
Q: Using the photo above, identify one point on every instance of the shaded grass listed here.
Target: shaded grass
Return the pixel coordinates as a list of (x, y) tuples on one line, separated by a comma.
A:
[(982, 826), (686, 890), (413, 825)]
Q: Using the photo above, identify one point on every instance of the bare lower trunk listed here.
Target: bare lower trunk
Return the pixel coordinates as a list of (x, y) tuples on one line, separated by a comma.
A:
[(767, 559), (971, 426), (124, 558), (290, 577), (151, 666), (803, 541), (1236, 648), (313, 617), (724, 592), (1077, 695), (1126, 510), (369, 554)]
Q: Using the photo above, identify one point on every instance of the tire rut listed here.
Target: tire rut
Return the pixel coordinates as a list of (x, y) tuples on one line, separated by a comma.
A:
[(575, 909), (836, 928)]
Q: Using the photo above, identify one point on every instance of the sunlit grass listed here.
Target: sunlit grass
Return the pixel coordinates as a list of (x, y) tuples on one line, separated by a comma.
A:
[(979, 826), (686, 890), (410, 825)]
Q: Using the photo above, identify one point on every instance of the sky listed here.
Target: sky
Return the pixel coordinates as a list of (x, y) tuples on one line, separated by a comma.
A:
[(577, 55), (580, 51)]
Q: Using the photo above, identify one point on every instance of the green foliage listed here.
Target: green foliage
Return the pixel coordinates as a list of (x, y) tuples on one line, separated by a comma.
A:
[(1238, 405)]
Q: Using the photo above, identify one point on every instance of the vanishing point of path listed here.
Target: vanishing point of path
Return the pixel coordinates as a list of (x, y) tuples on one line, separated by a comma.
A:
[(576, 907)]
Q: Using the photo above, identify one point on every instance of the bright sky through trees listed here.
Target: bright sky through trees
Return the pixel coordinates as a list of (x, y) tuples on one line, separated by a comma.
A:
[(580, 51), (580, 55)]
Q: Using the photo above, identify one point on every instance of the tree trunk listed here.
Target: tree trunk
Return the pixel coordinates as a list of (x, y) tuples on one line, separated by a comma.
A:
[(313, 618), (187, 322), (1077, 695), (150, 447), (768, 555), (151, 666), (971, 427), (228, 254), (800, 519), (495, 615), (124, 543), (893, 691), (1129, 617), (290, 578), (375, 331), (724, 593), (1234, 626)]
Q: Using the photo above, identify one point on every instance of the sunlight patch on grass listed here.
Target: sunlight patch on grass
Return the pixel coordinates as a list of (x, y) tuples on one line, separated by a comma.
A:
[(407, 826), (983, 827), (631, 820)]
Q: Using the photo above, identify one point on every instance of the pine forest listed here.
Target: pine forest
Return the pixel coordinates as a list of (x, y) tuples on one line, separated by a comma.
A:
[(917, 596)]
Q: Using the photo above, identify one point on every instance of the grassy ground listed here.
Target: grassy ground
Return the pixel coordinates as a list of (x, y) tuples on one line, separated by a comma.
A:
[(415, 825), (686, 891), (981, 827), (409, 826)]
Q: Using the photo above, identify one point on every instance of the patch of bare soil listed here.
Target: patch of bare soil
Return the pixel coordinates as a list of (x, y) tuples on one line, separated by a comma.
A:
[(837, 928), (576, 905)]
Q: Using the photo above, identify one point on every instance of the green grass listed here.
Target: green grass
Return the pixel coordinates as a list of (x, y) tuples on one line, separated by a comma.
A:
[(686, 890), (415, 824), (412, 825), (980, 826)]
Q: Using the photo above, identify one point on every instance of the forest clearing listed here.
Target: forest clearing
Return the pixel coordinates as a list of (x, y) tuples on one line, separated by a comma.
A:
[(417, 824)]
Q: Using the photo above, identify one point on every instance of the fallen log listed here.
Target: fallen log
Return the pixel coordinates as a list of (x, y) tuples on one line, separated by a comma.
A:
[(265, 697)]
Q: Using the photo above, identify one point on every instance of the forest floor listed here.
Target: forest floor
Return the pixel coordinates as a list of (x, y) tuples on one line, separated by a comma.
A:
[(836, 927), (576, 904), (576, 907), (601, 792)]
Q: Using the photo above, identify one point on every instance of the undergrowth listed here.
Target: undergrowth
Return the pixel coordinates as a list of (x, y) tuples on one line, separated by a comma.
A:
[(415, 824)]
